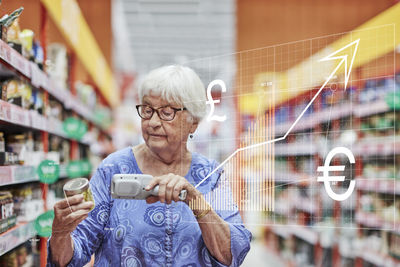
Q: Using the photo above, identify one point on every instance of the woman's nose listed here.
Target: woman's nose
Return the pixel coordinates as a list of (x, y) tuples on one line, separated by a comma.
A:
[(155, 120)]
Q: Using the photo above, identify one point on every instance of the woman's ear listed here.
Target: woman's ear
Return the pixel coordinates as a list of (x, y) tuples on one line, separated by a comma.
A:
[(194, 123)]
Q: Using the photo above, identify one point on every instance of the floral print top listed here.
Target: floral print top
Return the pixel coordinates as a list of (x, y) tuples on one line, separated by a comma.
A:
[(123, 232)]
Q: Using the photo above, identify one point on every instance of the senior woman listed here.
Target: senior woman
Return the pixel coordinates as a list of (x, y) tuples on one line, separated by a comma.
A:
[(161, 230)]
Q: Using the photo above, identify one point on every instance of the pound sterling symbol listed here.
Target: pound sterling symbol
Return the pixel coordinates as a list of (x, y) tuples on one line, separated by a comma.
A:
[(327, 168), (211, 101)]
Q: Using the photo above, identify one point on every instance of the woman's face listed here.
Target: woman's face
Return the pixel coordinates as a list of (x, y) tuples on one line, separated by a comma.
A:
[(162, 136)]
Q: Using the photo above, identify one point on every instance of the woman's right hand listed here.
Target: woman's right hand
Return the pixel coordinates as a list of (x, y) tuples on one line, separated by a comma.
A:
[(68, 213)]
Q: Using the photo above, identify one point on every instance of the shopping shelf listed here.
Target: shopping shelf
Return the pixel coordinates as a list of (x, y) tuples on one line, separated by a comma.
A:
[(15, 236), (371, 146), (378, 146), (39, 78), (372, 108), (333, 113), (282, 207), (309, 122), (296, 149), (306, 205), (282, 231), (372, 220), (305, 123), (389, 186), (14, 59), (376, 258), (293, 177), (16, 174), (32, 119), (381, 146), (305, 233)]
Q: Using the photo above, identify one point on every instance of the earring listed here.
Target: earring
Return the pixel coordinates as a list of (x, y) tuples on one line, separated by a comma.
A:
[(190, 136)]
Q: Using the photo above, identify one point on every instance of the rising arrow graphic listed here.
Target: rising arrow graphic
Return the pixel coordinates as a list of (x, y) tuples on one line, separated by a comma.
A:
[(347, 71)]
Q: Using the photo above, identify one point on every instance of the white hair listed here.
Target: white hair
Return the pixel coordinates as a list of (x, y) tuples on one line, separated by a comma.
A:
[(176, 84)]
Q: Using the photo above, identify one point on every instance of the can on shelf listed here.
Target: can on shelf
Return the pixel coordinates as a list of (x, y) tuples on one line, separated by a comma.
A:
[(79, 186)]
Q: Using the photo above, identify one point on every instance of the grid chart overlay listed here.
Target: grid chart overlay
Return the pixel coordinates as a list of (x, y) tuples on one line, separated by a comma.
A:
[(287, 124)]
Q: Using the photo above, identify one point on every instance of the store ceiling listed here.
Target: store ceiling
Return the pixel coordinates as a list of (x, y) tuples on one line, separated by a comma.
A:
[(165, 32), (161, 32)]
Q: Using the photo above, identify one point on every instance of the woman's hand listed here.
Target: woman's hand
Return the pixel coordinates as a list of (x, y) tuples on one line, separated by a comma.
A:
[(68, 213), (170, 186)]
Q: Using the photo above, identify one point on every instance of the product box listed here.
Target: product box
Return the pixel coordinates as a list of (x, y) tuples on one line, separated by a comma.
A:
[(3, 225), (3, 33), (3, 94), (12, 221), (17, 47), (16, 101), (394, 245)]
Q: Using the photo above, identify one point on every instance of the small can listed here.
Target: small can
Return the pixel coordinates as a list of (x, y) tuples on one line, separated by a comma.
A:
[(79, 186)]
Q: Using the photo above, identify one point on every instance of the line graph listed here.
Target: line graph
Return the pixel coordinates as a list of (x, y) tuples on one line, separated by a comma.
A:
[(332, 56)]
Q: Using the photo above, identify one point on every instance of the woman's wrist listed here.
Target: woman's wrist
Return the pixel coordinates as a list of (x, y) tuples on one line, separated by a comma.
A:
[(199, 206), (62, 248), (201, 215), (60, 236)]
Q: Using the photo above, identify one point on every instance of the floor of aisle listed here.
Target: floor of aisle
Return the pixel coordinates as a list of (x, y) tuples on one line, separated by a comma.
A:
[(260, 256)]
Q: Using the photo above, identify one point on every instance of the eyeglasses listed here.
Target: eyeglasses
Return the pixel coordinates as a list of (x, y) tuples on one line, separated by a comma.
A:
[(164, 113)]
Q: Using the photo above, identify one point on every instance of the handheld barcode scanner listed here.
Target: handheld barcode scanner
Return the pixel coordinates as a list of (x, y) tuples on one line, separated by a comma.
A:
[(132, 186)]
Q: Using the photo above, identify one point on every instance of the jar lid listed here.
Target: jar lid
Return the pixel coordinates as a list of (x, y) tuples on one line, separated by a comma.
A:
[(76, 186)]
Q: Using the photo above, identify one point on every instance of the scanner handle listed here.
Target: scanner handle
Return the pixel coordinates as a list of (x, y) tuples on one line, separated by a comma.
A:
[(182, 194)]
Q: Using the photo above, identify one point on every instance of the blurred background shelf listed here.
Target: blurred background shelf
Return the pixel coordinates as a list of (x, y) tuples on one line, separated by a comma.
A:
[(16, 236)]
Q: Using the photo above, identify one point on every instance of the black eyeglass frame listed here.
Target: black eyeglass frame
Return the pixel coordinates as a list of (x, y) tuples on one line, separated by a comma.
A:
[(157, 111)]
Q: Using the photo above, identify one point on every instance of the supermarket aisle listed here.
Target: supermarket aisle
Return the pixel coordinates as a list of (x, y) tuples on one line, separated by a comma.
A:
[(260, 256)]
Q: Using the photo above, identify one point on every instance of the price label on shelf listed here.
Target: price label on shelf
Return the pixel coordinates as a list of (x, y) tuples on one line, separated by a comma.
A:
[(19, 116), (23, 173), (22, 64), (396, 185), (5, 52), (48, 171), (35, 75), (383, 186), (38, 121), (43, 223), (5, 175), (2, 49), (5, 111), (14, 59), (44, 79), (74, 128), (18, 62), (387, 148), (7, 241)]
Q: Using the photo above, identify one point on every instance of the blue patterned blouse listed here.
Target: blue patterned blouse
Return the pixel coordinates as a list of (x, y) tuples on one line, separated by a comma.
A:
[(133, 233)]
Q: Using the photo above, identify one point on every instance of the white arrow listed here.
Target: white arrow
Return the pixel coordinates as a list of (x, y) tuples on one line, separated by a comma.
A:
[(347, 71), (329, 57)]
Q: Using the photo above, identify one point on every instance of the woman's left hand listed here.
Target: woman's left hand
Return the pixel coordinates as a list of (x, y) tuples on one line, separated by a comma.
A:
[(170, 186)]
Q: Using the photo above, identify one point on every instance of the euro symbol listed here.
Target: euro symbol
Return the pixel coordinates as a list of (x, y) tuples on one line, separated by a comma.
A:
[(327, 168), (211, 101)]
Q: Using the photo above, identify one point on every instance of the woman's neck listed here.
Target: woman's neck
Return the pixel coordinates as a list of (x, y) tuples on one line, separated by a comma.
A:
[(151, 162)]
